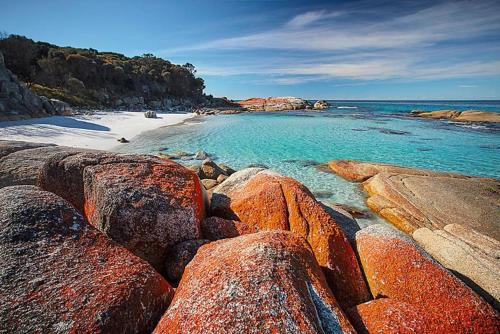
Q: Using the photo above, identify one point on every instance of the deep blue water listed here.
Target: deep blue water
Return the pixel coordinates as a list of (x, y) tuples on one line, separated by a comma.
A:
[(366, 130)]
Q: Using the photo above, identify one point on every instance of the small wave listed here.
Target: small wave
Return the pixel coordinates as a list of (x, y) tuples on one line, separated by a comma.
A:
[(469, 126), (346, 107)]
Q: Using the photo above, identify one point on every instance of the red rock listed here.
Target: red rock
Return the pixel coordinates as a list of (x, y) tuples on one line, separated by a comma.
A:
[(397, 268), (270, 201), (179, 257), (274, 104), (388, 316), (145, 203), (216, 228), (59, 274), (266, 282)]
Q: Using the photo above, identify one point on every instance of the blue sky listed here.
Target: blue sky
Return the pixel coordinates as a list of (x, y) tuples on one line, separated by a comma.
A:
[(312, 49)]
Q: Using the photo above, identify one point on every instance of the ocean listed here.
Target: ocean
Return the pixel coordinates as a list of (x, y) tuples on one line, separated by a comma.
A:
[(293, 142)]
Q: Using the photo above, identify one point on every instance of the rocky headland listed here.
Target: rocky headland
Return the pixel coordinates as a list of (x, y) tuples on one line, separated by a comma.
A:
[(454, 217), (459, 116), (92, 241)]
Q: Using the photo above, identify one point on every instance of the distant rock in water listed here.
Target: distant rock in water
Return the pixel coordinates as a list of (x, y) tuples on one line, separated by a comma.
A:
[(460, 116), (274, 104), (321, 104)]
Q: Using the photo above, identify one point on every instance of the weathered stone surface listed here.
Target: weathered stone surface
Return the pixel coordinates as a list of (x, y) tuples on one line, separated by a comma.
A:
[(209, 183), (267, 282), (476, 268), (10, 146), (216, 228), (221, 178), (476, 240), (460, 116), (274, 104), (228, 171), (397, 268), (388, 316), (265, 200), (210, 170), (359, 171), (200, 155), (60, 275), (413, 201), (145, 203), (23, 166), (179, 256)]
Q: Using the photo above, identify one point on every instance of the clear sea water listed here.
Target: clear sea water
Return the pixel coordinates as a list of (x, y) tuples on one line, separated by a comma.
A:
[(290, 142)]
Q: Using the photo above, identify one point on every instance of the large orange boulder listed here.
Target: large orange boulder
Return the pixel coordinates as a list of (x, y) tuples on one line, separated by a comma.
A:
[(145, 203), (397, 268), (274, 104), (61, 275), (388, 316), (271, 201), (266, 282)]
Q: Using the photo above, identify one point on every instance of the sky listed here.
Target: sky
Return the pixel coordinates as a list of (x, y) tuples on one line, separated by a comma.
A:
[(369, 50)]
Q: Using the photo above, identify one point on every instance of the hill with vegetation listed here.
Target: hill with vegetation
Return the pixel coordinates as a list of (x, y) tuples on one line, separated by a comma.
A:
[(89, 78)]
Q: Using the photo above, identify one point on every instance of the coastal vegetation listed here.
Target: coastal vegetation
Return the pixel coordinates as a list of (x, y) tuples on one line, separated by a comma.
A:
[(87, 77)]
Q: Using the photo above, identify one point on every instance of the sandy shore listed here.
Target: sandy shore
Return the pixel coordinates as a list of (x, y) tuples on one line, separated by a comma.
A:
[(97, 131)]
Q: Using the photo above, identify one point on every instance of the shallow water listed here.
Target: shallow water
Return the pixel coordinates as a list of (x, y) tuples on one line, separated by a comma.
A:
[(293, 142)]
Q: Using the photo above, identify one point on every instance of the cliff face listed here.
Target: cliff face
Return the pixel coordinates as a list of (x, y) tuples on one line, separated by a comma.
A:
[(16, 100), (86, 77)]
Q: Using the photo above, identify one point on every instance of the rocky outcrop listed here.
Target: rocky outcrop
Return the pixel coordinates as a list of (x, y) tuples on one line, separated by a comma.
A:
[(413, 201), (398, 269), (267, 282), (144, 203), (60, 275), (320, 105), (411, 198), (359, 171), (16, 100), (460, 116), (265, 200), (274, 104), (469, 254)]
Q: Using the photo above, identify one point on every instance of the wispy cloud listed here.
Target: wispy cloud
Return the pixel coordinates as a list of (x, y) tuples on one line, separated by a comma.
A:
[(431, 41), (468, 86)]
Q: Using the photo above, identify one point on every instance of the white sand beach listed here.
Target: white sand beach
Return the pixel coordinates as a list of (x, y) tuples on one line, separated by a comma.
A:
[(97, 131)]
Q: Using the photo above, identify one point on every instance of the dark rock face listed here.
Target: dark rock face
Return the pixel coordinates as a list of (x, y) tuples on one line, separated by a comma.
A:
[(145, 203), (23, 166), (266, 282), (60, 275), (216, 228), (16, 100), (179, 257)]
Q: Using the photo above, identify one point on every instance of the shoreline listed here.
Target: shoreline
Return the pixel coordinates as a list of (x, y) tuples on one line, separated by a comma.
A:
[(100, 130)]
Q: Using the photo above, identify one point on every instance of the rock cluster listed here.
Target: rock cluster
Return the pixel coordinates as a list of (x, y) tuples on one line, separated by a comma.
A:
[(321, 104), (98, 243), (459, 116), (274, 104)]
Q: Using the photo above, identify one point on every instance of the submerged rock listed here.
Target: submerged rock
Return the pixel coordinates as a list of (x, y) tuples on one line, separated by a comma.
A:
[(398, 269), (266, 200), (200, 155), (267, 282), (59, 274)]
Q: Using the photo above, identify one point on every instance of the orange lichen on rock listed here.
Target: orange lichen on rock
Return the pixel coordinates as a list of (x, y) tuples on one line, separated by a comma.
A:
[(397, 268), (388, 316), (145, 203), (59, 274), (270, 201), (265, 282)]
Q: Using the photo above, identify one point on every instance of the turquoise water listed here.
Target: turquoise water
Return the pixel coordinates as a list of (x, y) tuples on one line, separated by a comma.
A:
[(374, 131)]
